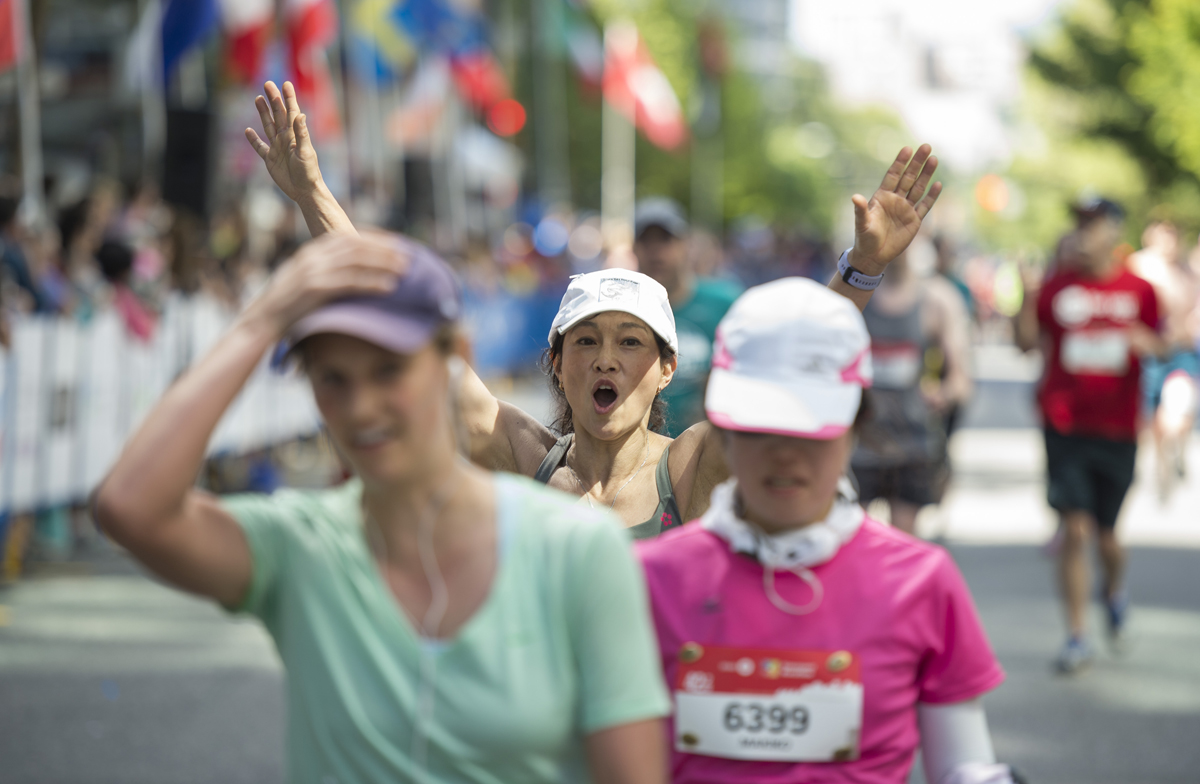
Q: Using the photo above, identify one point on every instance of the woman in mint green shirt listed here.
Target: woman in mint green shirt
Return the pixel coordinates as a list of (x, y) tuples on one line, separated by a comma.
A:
[(437, 622)]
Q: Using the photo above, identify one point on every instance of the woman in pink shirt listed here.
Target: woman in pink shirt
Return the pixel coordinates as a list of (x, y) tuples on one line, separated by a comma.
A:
[(802, 640)]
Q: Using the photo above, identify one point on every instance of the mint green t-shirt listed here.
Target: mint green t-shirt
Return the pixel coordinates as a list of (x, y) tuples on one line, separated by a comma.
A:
[(561, 647), (696, 325)]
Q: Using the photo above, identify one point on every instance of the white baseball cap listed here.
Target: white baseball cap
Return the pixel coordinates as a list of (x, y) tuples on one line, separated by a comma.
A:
[(792, 358), (616, 289)]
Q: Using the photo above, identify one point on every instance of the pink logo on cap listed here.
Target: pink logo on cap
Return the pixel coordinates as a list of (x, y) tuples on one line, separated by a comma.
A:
[(721, 357), (852, 373)]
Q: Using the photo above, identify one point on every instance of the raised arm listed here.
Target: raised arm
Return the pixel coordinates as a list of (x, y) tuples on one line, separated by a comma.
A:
[(147, 502), (885, 225), (697, 466), (292, 161), (500, 436)]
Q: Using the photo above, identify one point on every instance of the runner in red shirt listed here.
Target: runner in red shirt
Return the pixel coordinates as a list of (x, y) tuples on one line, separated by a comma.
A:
[(1095, 320)]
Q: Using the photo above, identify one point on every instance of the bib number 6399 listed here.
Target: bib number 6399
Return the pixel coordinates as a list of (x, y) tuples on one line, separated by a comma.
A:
[(760, 717), (776, 705)]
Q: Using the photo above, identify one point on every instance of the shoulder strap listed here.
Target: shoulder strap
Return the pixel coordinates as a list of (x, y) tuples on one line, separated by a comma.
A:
[(667, 514), (553, 458)]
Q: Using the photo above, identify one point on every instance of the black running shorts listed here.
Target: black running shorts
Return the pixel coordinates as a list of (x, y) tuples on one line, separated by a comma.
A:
[(912, 483), (1088, 474)]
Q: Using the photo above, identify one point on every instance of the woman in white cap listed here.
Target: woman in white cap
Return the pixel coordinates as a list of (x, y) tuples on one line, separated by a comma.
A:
[(804, 641), (612, 349), (437, 623)]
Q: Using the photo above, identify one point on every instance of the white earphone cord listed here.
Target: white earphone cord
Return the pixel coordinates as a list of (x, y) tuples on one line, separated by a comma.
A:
[(434, 615), (439, 593)]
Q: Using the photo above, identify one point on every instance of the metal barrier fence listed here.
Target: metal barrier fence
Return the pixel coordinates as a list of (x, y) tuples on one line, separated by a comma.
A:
[(70, 394)]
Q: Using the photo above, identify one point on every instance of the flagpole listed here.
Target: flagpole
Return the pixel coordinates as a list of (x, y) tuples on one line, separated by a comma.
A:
[(618, 151), (400, 184), (550, 108), (708, 154), (373, 133), (29, 106)]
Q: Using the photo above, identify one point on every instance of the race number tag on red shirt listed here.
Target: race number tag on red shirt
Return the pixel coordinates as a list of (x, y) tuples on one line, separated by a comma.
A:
[(1096, 352), (755, 704)]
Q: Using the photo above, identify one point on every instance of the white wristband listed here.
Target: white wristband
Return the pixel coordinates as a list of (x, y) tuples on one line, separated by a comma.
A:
[(855, 278)]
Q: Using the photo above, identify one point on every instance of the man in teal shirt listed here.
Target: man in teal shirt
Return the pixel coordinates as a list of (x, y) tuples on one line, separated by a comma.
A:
[(661, 246)]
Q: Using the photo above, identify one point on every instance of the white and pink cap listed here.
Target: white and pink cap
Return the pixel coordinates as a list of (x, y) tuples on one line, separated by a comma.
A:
[(791, 358)]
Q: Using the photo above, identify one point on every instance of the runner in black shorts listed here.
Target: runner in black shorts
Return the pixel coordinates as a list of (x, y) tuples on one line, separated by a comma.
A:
[(1089, 473), (1094, 321)]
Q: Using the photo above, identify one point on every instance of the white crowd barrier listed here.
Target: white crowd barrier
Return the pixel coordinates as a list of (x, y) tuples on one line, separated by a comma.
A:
[(70, 394)]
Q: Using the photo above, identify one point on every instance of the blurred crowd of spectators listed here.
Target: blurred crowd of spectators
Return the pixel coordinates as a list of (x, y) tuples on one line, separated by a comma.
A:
[(125, 249), (129, 251)]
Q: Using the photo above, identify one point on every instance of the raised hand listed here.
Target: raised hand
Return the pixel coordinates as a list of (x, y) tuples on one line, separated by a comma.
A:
[(287, 149), (292, 161), (885, 225), (325, 269)]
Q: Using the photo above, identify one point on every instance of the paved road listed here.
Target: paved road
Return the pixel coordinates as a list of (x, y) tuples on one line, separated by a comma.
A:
[(113, 678)]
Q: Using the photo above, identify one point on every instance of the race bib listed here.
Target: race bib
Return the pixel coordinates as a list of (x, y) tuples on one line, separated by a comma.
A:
[(772, 705), (896, 365), (1096, 352)]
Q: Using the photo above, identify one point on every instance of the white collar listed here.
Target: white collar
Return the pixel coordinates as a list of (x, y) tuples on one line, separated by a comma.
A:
[(796, 551), (802, 548)]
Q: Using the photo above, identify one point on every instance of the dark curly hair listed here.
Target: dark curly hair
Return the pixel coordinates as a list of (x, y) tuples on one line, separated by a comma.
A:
[(563, 422)]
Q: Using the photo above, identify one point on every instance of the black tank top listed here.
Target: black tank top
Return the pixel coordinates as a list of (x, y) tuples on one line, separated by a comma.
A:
[(665, 517), (900, 427)]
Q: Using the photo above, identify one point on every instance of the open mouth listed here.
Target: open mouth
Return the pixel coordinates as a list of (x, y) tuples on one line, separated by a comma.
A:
[(604, 395)]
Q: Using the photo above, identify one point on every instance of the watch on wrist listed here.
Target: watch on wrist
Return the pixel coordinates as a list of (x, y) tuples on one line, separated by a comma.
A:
[(858, 280)]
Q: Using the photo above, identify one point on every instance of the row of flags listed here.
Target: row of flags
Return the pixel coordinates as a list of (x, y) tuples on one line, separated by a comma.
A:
[(387, 40), (300, 31), (306, 27)]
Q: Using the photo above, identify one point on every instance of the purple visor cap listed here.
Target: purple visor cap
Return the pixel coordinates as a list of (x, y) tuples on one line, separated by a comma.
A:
[(426, 298)]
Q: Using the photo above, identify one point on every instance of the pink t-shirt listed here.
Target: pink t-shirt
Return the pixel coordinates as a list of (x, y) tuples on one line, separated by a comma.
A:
[(899, 603)]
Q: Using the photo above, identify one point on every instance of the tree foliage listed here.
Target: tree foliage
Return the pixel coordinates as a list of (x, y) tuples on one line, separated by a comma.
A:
[(1109, 107), (1131, 70), (1165, 38)]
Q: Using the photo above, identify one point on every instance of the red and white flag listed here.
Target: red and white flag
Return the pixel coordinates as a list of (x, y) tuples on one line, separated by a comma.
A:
[(248, 29), (312, 27), (639, 90), (10, 33), (479, 78)]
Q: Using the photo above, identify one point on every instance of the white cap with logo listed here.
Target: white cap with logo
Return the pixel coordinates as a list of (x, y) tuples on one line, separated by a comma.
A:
[(616, 289), (791, 358)]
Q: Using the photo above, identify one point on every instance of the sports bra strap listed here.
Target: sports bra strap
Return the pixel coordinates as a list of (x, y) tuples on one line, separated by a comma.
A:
[(667, 513), (554, 458)]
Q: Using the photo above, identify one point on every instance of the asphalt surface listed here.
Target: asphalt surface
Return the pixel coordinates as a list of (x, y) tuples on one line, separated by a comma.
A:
[(112, 678), (107, 676)]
